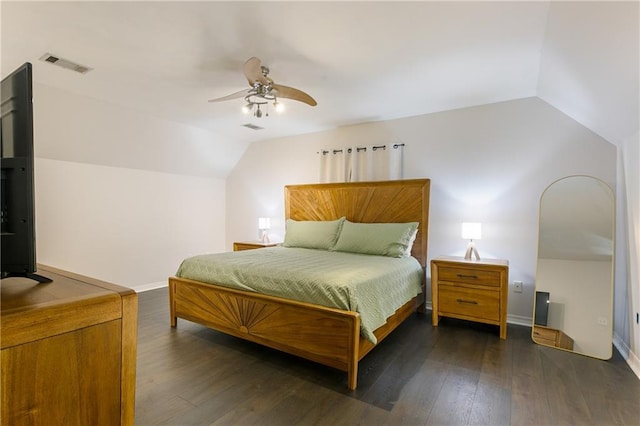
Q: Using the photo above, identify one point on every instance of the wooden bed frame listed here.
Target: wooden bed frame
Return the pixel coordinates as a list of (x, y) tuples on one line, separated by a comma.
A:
[(318, 333)]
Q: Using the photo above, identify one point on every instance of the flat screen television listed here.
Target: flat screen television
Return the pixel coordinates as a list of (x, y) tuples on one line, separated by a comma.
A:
[(17, 218), (542, 308)]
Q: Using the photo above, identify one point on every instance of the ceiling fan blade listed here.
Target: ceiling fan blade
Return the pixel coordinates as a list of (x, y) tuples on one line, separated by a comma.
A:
[(241, 94), (253, 71), (295, 94)]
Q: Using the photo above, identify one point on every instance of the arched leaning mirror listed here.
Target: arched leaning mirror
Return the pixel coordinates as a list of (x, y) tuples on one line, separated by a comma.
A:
[(573, 303)]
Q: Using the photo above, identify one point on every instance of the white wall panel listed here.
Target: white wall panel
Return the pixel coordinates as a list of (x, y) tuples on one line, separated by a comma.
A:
[(130, 227)]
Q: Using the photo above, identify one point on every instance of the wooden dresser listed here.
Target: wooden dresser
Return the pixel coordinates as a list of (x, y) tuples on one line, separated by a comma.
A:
[(552, 337), (68, 351), (474, 290), (251, 245)]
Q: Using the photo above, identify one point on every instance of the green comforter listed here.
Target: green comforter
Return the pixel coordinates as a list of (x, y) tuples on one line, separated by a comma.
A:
[(373, 286)]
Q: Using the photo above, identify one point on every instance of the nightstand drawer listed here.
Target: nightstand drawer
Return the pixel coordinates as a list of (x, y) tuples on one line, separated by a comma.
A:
[(547, 342), (469, 276), (551, 337), (464, 301), (545, 333)]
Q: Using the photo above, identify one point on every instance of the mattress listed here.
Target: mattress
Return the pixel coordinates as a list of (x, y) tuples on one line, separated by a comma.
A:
[(373, 286)]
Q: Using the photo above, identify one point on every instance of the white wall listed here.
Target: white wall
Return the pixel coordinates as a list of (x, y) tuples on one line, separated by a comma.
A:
[(105, 208), (488, 163), (130, 227), (627, 296)]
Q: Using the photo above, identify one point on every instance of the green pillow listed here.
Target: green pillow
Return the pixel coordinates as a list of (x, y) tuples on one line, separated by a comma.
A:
[(383, 239), (314, 234)]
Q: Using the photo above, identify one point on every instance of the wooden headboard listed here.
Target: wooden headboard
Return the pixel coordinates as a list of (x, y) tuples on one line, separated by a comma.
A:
[(366, 202)]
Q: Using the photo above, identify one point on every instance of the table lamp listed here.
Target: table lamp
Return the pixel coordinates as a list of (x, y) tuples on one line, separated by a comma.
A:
[(471, 231), (264, 223)]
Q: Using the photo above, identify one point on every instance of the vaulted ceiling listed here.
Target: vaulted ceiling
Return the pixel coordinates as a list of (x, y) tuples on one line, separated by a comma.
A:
[(362, 61)]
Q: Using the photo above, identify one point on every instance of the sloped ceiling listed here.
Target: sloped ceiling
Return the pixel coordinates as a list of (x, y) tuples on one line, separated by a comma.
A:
[(362, 61), (589, 65)]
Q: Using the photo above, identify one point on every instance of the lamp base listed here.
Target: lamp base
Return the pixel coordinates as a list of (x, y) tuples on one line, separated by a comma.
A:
[(265, 237), (471, 250)]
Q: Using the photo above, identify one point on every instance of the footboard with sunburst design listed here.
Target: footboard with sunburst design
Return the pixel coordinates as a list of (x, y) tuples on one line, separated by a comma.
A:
[(325, 335)]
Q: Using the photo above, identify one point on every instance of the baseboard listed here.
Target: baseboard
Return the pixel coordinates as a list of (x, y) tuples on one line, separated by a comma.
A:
[(150, 286), (634, 363), (631, 358), (519, 320), (621, 346)]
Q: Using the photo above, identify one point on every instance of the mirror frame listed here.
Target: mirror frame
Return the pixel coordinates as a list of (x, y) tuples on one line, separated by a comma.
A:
[(561, 338)]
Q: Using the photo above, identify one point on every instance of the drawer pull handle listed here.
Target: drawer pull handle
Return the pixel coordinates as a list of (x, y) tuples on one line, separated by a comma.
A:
[(470, 302), (475, 277)]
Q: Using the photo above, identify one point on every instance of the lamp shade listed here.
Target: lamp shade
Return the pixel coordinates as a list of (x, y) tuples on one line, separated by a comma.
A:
[(264, 223), (471, 230)]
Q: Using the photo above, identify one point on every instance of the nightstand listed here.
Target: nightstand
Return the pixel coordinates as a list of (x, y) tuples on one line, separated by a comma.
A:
[(473, 290), (552, 337), (251, 245)]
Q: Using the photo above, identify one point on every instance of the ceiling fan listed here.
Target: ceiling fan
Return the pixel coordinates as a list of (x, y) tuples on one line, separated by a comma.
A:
[(263, 90)]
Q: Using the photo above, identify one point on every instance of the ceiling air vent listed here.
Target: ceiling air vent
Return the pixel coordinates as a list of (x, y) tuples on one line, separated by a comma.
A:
[(64, 63), (252, 126)]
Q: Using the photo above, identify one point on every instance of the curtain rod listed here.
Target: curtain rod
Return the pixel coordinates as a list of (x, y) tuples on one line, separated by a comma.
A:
[(358, 149)]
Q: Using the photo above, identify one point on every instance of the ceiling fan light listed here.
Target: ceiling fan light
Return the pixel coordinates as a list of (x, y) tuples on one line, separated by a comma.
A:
[(258, 112), (247, 108), (278, 106)]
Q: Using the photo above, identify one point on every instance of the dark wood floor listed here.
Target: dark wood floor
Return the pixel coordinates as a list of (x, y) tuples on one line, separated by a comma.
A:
[(459, 373)]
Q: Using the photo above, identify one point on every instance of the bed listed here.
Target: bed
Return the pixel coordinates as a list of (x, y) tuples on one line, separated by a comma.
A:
[(326, 335)]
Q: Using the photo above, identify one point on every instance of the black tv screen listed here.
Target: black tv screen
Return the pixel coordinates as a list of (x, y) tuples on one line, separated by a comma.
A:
[(542, 308), (17, 219)]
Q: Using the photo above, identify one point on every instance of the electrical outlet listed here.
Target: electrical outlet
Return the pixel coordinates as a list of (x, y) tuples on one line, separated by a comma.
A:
[(602, 321), (517, 286)]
